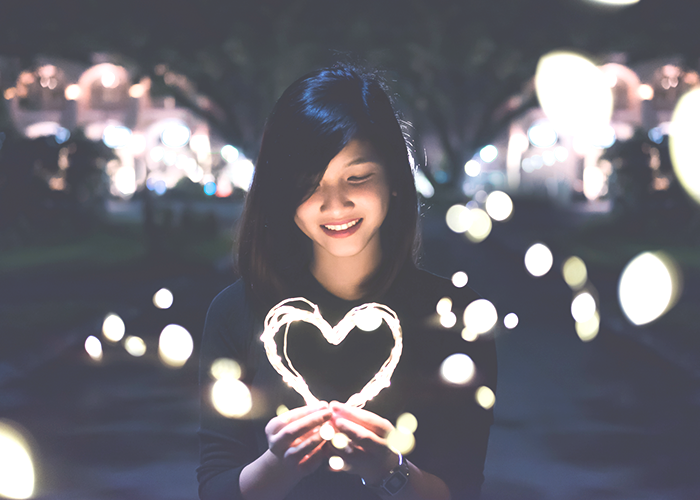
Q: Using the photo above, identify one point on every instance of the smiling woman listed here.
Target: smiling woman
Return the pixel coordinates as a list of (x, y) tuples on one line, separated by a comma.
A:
[(330, 223)]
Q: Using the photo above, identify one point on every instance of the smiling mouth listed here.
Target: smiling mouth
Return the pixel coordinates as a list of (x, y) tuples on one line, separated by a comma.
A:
[(341, 227)]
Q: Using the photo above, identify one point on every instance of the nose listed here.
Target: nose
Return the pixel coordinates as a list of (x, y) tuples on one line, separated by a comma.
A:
[(335, 200)]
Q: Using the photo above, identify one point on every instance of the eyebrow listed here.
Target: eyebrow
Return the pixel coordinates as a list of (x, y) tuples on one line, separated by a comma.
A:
[(359, 161)]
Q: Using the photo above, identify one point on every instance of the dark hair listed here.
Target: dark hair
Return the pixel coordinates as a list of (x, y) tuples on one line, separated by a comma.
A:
[(311, 123)]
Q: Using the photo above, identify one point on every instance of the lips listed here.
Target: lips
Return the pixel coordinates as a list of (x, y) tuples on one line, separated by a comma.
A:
[(342, 230)]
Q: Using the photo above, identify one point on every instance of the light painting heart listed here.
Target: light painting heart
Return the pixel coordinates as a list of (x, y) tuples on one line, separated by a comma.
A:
[(284, 314)]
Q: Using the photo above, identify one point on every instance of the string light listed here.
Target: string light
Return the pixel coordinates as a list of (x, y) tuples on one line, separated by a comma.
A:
[(283, 315)]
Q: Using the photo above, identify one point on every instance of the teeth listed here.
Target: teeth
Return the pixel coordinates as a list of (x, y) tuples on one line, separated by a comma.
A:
[(342, 227)]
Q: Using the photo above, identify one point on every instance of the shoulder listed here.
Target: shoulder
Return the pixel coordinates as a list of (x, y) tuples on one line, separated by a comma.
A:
[(231, 300)]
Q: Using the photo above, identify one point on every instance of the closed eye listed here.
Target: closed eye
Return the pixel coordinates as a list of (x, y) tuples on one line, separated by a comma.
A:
[(361, 178)]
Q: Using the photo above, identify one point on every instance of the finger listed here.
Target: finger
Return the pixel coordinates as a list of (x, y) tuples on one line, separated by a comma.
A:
[(360, 435), (313, 459), (367, 419), (292, 431), (305, 447), (277, 423)]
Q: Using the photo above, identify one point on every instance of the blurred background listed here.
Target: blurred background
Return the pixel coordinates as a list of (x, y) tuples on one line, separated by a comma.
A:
[(557, 157)]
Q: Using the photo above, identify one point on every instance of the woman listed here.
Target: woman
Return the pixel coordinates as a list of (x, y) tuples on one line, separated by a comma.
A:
[(331, 217)]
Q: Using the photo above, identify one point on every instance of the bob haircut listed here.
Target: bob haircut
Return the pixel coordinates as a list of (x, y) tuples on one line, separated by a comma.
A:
[(311, 123)]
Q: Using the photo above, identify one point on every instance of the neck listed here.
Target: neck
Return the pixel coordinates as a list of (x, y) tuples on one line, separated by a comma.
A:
[(344, 276)]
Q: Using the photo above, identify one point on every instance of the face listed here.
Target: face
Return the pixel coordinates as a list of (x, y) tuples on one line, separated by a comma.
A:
[(343, 215)]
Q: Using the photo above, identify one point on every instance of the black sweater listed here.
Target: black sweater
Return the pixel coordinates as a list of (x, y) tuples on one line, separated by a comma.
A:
[(453, 430)]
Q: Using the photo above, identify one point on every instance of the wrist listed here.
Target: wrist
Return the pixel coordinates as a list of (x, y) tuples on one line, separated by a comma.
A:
[(392, 482)]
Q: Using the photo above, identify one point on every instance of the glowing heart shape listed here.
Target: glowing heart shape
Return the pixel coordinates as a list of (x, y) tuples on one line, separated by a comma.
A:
[(364, 317)]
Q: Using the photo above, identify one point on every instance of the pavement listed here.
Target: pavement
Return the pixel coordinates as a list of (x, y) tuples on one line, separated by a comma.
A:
[(614, 418)]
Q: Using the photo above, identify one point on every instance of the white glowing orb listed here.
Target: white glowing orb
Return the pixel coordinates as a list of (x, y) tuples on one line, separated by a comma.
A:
[(230, 153), (368, 320), (542, 134), (109, 80), (135, 346), (472, 168), (231, 397), (488, 153), (281, 410), (17, 476), (588, 329), (485, 397), (480, 316), (225, 367), (683, 142), (163, 298), (444, 306), (137, 90), (645, 92), (648, 287), (574, 272), (510, 321), (595, 182), (72, 92), (448, 320), (175, 135), (336, 463), (113, 328), (175, 345), (156, 153), (480, 227), (241, 173), (459, 218), (327, 431), (124, 180), (583, 307), (469, 335), (573, 92), (614, 3), (116, 136), (561, 153), (340, 441), (93, 347), (457, 369), (408, 422), (460, 279), (499, 206), (401, 441), (538, 259)]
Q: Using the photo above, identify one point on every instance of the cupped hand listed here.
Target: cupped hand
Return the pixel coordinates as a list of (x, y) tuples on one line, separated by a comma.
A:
[(294, 439), (367, 454)]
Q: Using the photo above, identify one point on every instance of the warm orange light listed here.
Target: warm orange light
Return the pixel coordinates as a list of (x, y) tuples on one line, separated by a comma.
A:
[(645, 92), (73, 92)]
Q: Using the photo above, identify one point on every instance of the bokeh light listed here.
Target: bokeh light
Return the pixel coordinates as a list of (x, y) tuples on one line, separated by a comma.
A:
[(401, 441), (588, 329), (113, 328), (281, 410), (407, 422), (137, 90), (480, 316), (472, 168), (163, 298), (511, 320), (225, 367), (583, 307), (73, 92), (683, 142), (93, 347), (229, 153), (231, 397), (485, 397), (116, 136), (336, 463), (542, 134), (444, 306), (175, 345), (17, 474), (648, 287), (340, 441), (448, 320), (135, 346), (645, 92), (573, 93), (574, 272), (459, 218), (480, 227), (368, 320), (457, 369), (175, 134), (460, 279), (327, 431), (488, 153), (499, 206), (538, 260)]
